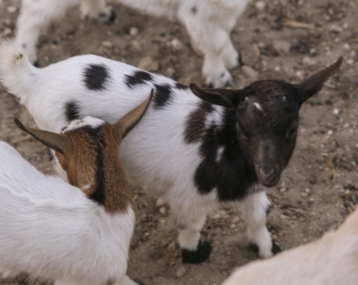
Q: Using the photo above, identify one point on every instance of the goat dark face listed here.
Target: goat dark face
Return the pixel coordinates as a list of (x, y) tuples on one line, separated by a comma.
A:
[(267, 118)]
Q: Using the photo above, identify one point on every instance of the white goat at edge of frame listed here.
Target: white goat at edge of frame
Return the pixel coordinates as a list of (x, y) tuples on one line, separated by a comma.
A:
[(208, 22), (198, 153), (330, 260), (53, 230)]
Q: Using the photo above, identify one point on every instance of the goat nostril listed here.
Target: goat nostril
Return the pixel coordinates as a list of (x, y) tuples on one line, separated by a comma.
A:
[(267, 173)]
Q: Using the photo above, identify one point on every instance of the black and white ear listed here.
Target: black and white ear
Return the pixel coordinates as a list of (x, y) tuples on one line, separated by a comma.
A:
[(314, 83), (223, 97)]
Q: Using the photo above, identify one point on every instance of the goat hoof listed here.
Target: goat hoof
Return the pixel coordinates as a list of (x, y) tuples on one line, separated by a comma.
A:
[(239, 60), (198, 256), (112, 17), (254, 247), (275, 248)]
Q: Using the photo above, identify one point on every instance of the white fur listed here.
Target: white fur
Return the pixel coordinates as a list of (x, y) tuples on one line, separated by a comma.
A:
[(209, 27), (331, 260), (154, 153), (50, 229)]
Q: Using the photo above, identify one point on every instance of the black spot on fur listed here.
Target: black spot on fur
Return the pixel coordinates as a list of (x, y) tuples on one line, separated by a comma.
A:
[(162, 95), (274, 249), (195, 125), (231, 174), (98, 194), (36, 63), (181, 86), (95, 77), (138, 78), (194, 10), (72, 111), (198, 256)]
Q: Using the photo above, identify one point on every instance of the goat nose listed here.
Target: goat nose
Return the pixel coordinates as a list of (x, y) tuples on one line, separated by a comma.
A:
[(267, 172)]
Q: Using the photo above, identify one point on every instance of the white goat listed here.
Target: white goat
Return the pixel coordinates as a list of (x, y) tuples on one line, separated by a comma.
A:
[(331, 260), (208, 22), (197, 153), (53, 230)]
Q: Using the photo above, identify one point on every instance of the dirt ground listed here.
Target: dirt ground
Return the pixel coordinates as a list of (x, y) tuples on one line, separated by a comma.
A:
[(286, 39)]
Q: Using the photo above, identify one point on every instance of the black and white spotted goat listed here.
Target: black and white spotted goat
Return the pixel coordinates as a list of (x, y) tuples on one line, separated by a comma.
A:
[(208, 22), (220, 145)]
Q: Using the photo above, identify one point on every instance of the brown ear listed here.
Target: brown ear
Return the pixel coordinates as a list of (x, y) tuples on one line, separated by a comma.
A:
[(54, 141), (314, 83), (124, 125), (223, 97)]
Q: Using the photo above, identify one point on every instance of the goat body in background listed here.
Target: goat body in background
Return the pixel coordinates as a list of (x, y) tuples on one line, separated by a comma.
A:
[(56, 231), (208, 22), (331, 260), (198, 152)]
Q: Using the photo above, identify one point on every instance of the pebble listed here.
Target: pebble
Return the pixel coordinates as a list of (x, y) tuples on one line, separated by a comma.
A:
[(336, 29), (172, 246), (176, 44), (161, 201), (11, 9), (260, 6), (133, 31), (107, 44), (147, 63), (308, 61), (350, 61), (250, 72), (163, 210), (180, 272), (336, 111), (282, 47)]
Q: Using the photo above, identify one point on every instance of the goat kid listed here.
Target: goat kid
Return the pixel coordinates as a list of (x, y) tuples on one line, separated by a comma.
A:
[(53, 230), (329, 261), (208, 22), (199, 153)]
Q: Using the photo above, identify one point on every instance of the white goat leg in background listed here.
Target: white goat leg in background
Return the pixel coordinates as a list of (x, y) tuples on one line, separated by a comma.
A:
[(209, 23)]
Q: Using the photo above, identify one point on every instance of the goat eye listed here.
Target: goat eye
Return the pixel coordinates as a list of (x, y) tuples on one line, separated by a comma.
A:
[(291, 132)]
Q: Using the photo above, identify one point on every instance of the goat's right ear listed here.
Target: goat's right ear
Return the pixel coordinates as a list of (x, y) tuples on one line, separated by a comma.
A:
[(219, 96), (124, 125), (54, 141)]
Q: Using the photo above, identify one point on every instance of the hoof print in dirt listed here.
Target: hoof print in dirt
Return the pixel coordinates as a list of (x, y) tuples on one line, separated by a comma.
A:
[(197, 256)]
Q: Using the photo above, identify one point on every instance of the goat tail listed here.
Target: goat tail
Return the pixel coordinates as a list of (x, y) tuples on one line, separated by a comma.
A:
[(16, 72)]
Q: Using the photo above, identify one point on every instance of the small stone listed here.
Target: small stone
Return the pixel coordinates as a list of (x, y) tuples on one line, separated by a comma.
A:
[(107, 44), (161, 201), (235, 219), (163, 210), (176, 44), (250, 72), (149, 64), (11, 9), (133, 31), (308, 61), (260, 6), (180, 272), (313, 51), (282, 47), (350, 61), (146, 234), (172, 247), (170, 71), (196, 50), (335, 29), (336, 111)]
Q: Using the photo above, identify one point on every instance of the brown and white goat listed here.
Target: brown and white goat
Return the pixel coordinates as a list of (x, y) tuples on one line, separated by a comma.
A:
[(56, 231)]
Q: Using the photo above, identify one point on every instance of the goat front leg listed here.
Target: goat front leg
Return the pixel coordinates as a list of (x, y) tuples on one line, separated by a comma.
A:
[(189, 222), (97, 10), (255, 208)]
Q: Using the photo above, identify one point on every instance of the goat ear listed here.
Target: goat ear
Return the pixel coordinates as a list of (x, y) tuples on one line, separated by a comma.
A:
[(314, 83), (54, 141), (223, 97), (124, 125)]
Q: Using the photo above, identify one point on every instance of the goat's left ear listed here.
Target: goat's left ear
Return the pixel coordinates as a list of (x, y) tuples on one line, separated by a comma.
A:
[(223, 97), (54, 141), (124, 125), (314, 83)]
